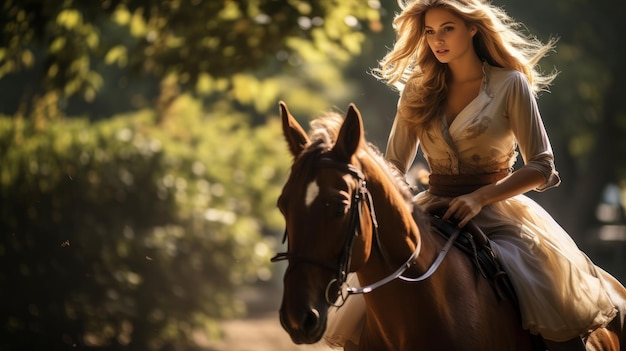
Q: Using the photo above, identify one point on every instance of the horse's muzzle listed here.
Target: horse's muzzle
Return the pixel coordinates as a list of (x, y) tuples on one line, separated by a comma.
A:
[(305, 327)]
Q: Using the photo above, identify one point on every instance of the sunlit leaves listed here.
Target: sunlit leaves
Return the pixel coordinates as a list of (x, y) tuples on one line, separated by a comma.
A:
[(230, 11), (147, 209), (117, 54), (138, 26), (197, 41), (70, 19), (16, 31), (256, 92), (121, 15), (157, 205), (57, 45)]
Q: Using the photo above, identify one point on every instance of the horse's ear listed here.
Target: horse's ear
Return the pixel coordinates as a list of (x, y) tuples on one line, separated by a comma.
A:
[(294, 134), (350, 135)]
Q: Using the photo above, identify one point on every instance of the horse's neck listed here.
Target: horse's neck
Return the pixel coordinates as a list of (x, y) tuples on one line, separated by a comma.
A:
[(398, 231)]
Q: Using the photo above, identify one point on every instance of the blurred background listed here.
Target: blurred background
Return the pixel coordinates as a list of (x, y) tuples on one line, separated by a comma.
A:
[(141, 155)]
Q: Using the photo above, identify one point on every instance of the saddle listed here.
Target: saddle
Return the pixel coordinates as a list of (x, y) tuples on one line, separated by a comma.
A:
[(474, 243)]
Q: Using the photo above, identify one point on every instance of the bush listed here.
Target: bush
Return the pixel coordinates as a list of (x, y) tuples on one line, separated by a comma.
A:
[(133, 233)]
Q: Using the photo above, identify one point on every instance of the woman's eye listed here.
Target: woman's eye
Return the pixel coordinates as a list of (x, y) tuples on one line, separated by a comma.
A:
[(429, 32), (448, 29)]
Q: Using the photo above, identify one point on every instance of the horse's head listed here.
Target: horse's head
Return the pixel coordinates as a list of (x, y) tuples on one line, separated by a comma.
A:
[(328, 223)]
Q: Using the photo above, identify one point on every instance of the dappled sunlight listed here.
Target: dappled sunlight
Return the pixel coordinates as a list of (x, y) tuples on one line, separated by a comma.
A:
[(141, 155)]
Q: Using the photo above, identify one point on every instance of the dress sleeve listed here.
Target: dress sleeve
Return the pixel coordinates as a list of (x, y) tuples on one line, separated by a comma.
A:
[(529, 131), (402, 145)]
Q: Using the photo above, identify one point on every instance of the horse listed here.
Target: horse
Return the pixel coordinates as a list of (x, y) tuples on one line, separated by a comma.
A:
[(347, 210)]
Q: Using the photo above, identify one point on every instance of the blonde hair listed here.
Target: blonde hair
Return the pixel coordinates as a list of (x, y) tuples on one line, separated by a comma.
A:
[(412, 68)]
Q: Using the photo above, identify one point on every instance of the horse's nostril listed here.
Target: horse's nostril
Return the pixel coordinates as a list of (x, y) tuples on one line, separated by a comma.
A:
[(311, 320)]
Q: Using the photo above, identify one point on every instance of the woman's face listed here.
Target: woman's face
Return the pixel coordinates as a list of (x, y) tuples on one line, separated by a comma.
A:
[(447, 35)]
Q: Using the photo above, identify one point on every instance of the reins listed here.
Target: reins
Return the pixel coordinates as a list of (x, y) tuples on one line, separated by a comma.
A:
[(398, 273), (354, 230)]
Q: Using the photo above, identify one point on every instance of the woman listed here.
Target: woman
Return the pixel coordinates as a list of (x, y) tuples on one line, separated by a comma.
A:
[(468, 82)]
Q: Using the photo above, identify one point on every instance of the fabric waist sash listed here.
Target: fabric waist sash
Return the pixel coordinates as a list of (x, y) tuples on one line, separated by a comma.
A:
[(453, 185)]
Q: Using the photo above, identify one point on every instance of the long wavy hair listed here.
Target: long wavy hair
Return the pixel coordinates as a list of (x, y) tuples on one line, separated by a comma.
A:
[(412, 68)]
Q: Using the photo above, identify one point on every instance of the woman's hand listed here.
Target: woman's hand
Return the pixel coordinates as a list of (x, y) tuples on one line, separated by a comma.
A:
[(463, 208), (466, 207)]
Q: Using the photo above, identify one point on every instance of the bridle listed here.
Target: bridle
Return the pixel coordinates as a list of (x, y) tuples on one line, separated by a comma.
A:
[(361, 194)]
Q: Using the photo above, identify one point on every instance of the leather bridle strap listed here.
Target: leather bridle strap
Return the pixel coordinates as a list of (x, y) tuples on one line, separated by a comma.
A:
[(398, 273), (354, 228)]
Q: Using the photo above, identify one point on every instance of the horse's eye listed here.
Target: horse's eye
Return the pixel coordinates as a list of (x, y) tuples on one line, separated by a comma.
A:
[(340, 208), (341, 211)]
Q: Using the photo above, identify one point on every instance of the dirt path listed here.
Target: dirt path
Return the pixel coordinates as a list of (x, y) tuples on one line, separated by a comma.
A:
[(260, 330)]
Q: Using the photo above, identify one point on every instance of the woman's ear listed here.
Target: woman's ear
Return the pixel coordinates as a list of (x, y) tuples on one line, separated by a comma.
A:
[(473, 30)]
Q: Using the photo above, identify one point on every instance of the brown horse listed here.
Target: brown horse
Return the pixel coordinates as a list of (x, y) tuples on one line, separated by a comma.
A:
[(347, 211)]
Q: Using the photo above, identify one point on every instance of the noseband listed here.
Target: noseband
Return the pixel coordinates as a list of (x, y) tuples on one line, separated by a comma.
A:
[(354, 230)]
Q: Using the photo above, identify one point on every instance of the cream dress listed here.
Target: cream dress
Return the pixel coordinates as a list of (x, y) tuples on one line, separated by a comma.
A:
[(560, 290)]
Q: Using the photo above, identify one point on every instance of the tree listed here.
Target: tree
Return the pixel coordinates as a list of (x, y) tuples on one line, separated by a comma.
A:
[(140, 227), (125, 235), (586, 110), (209, 46)]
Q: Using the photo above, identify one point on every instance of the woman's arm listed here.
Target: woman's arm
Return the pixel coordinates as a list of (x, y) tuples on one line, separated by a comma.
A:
[(466, 207), (402, 145), (538, 172)]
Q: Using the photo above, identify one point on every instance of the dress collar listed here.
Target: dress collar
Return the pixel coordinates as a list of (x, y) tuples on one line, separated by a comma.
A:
[(487, 78)]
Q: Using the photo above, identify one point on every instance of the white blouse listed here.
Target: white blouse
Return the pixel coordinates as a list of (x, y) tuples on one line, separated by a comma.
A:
[(484, 136)]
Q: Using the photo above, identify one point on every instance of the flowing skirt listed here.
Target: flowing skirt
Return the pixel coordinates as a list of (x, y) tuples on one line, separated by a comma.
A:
[(561, 292)]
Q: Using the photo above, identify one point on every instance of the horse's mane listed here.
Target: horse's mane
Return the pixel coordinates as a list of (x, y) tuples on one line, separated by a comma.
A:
[(323, 135)]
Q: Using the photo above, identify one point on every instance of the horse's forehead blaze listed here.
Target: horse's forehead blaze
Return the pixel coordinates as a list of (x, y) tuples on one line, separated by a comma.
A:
[(312, 192)]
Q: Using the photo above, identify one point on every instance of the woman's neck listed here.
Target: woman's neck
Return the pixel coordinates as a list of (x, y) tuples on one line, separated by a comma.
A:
[(466, 70)]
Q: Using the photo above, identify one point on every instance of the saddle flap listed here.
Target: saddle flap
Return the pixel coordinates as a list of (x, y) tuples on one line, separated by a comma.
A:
[(476, 245)]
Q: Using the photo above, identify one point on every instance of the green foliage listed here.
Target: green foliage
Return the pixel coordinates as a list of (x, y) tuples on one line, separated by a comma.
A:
[(590, 66), (135, 232), (140, 229), (206, 45)]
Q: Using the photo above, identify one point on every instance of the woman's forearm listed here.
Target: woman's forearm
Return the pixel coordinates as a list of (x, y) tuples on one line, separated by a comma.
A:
[(519, 182)]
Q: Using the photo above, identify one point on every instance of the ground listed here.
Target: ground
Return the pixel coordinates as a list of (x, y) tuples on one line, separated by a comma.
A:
[(260, 330)]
